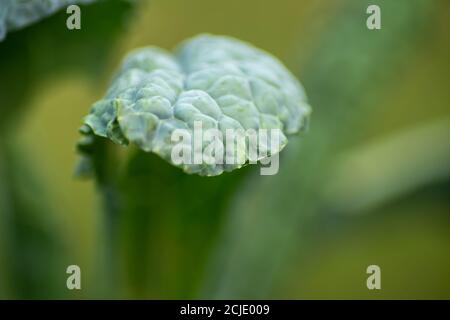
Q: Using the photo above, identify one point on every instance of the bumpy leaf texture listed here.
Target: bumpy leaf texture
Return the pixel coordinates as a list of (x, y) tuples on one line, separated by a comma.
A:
[(222, 82), (17, 14)]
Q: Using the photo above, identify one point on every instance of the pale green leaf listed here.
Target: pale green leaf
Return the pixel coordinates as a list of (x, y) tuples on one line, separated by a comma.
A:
[(221, 82)]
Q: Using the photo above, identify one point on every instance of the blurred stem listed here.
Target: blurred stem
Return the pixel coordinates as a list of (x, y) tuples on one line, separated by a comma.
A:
[(104, 162), (5, 215), (111, 231)]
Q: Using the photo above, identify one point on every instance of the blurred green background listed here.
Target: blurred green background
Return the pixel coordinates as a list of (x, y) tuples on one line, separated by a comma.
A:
[(367, 184)]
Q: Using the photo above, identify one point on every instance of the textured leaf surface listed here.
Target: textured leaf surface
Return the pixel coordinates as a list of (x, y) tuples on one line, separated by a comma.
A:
[(16, 14), (220, 81)]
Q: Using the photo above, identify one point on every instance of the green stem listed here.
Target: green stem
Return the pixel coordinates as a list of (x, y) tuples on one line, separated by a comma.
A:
[(106, 177)]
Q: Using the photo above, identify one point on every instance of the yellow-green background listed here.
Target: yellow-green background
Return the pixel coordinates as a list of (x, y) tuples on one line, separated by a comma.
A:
[(383, 199)]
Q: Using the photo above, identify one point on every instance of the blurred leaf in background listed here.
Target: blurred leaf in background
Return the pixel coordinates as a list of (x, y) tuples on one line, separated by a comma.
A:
[(34, 253), (348, 76), (15, 15), (30, 56)]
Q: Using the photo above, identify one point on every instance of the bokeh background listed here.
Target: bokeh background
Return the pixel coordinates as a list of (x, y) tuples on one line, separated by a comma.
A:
[(367, 184)]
